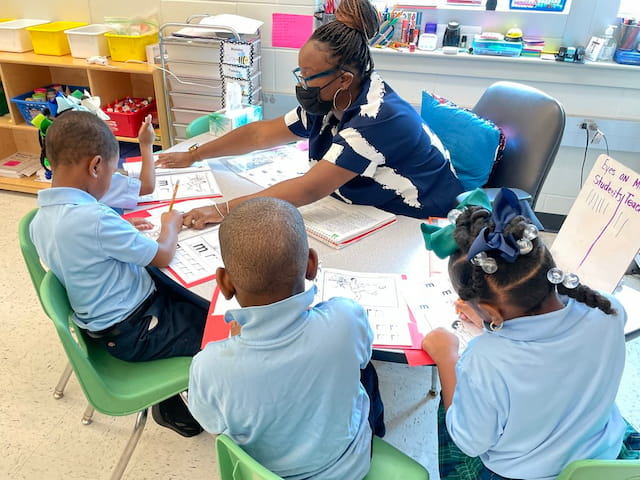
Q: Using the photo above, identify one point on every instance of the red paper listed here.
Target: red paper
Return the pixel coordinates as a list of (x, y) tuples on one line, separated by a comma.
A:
[(290, 31)]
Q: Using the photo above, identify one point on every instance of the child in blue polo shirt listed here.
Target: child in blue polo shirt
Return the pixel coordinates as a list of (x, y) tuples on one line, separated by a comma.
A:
[(101, 258), (287, 388)]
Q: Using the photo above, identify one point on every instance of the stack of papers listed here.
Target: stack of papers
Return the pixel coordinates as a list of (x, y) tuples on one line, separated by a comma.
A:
[(20, 165)]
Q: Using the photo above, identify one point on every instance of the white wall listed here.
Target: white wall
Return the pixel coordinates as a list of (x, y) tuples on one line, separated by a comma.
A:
[(610, 96)]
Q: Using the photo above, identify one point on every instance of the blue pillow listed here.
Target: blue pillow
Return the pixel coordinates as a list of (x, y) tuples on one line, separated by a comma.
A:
[(474, 143)]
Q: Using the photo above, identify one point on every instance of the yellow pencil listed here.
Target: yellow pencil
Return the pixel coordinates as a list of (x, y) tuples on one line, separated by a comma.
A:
[(173, 197)]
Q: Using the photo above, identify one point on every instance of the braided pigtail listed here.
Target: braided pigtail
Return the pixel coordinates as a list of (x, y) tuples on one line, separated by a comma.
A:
[(588, 296), (347, 37)]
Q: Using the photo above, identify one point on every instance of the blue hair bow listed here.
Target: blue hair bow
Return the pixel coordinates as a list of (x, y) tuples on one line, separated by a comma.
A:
[(506, 206)]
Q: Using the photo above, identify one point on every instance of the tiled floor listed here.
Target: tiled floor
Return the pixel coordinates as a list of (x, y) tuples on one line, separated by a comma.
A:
[(43, 438)]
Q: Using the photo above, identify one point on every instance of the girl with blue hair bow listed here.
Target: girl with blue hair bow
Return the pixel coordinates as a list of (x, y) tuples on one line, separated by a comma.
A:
[(537, 389)]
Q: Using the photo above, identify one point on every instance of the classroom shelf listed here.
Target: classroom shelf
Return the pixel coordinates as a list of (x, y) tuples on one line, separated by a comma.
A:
[(22, 72)]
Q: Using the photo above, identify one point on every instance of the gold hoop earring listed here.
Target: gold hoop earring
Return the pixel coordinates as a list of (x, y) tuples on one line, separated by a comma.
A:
[(495, 328), (335, 96)]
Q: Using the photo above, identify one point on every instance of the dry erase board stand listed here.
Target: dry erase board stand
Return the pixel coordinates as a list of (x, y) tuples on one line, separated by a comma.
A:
[(198, 60)]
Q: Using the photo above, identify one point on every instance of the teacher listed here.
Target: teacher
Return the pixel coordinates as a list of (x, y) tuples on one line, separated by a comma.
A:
[(367, 145)]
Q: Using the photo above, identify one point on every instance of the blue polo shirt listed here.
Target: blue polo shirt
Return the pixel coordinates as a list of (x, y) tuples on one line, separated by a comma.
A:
[(287, 389), (124, 192), (540, 393), (401, 164), (98, 256)]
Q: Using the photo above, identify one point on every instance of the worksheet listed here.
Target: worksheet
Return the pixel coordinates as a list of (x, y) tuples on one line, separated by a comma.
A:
[(198, 251), (379, 294), (432, 305), (268, 167)]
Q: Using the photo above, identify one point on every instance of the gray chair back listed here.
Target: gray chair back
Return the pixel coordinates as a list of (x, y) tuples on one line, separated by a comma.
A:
[(533, 123)]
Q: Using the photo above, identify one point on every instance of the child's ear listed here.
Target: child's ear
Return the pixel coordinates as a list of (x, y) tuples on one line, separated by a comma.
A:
[(312, 265), (492, 314), (94, 165), (225, 284)]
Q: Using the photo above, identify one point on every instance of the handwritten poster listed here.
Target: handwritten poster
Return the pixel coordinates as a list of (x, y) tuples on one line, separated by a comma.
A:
[(601, 234), (289, 30)]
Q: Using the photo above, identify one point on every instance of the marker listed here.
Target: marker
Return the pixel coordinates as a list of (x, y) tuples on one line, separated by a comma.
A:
[(175, 192)]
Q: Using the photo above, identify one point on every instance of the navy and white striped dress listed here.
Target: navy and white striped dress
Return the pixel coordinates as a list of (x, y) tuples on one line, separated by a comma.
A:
[(402, 166)]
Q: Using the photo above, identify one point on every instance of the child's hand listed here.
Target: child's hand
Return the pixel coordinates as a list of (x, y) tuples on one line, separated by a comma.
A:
[(146, 135), (467, 313), (174, 217), (141, 224), (441, 345)]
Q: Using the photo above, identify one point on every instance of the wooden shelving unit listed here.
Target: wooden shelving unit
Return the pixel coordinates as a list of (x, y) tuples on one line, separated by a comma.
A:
[(22, 72)]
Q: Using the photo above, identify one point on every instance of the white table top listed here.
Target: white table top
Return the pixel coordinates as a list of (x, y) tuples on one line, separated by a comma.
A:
[(397, 248)]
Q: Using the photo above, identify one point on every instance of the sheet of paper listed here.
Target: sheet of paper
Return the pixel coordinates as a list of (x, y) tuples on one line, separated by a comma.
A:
[(599, 238), (198, 251), (379, 294), (289, 30), (194, 183), (432, 306), (268, 167)]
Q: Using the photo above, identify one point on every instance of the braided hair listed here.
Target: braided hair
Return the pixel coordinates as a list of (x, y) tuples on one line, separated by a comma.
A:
[(522, 283), (346, 39)]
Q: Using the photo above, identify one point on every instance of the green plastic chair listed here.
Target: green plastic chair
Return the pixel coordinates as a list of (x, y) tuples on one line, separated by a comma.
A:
[(112, 386), (37, 272), (388, 463), (601, 470)]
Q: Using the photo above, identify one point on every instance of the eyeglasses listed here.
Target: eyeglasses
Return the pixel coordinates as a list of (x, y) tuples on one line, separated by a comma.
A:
[(303, 81)]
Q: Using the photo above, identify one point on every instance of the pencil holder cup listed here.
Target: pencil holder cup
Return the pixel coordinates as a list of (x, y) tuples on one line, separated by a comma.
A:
[(628, 37)]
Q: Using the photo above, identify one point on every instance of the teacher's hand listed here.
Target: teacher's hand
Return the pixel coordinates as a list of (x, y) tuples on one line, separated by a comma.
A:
[(175, 160), (199, 218)]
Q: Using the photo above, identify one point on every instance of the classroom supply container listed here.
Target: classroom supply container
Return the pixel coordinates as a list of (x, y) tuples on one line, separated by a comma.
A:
[(30, 108), (196, 102), (130, 47), (483, 46), (14, 36), (127, 123), (628, 37), (88, 41), (49, 39)]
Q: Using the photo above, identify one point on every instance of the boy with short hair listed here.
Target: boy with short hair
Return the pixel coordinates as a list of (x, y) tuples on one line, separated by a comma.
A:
[(287, 388), (101, 258)]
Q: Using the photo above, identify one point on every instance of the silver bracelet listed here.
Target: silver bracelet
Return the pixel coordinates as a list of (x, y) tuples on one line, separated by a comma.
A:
[(227, 205)]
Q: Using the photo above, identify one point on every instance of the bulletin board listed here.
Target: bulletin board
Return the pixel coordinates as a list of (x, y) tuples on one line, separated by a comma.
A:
[(599, 238)]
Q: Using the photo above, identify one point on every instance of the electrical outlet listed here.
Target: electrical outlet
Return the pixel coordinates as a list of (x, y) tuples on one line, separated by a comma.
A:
[(588, 124)]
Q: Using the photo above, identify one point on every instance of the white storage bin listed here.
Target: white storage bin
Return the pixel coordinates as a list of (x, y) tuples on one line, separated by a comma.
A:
[(198, 86), (193, 52), (186, 116), (195, 102), (14, 36), (197, 70), (88, 41)]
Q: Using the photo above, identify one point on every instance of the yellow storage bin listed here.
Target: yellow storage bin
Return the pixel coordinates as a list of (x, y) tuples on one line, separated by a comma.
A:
[(130, 47), (50, 39)]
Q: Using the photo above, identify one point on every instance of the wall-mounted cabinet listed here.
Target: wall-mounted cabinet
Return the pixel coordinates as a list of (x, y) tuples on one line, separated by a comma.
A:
[(22, 72)]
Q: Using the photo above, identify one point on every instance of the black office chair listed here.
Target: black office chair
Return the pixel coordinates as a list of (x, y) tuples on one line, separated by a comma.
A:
[(533, 123)]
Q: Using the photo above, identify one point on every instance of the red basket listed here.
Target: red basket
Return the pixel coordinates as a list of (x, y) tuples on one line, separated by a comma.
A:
[(127, 124)]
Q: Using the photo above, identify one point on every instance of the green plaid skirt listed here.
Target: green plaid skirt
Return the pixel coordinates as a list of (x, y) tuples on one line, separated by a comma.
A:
[(455, 465)]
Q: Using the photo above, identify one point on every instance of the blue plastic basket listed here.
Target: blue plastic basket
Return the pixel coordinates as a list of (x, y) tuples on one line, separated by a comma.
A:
[(30, 108)]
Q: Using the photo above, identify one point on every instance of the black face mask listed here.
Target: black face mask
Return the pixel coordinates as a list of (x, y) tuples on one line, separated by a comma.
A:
[(310, 100)]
